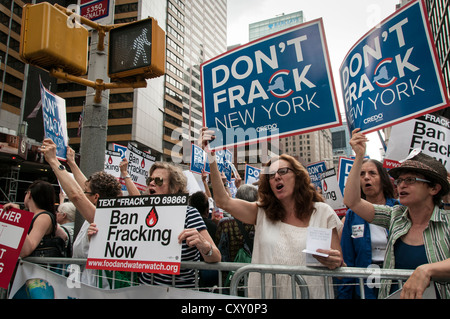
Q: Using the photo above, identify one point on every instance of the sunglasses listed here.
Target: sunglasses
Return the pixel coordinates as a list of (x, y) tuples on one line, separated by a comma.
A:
[(281, 172), (158, 181)]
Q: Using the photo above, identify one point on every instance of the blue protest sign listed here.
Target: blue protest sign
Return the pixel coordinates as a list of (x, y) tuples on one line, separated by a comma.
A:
[(392, 73), (315, 171), (121, 149), (55, 122), (345, 165), (197, 159), (273, 87), (251, 174)]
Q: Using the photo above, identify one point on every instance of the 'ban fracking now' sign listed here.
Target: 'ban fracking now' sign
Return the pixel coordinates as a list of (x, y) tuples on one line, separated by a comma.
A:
[(392, 74), (138, 233), (276, 86)]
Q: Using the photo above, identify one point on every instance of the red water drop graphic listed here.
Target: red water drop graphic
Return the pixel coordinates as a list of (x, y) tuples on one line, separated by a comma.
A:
[(325, 186), (110, 161), (152, 218), (143, 163)]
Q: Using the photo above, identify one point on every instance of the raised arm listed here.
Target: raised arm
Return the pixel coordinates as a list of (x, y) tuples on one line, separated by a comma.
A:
[(243, 210), (76, 171), (131, 187), (352, 191), (74, 191)]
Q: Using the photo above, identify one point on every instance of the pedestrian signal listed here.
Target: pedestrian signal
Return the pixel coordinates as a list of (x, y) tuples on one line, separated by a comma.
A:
[(136, 49), (50, 39)]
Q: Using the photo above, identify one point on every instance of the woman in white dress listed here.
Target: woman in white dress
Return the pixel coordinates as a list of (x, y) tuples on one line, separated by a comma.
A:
[(288, 204)]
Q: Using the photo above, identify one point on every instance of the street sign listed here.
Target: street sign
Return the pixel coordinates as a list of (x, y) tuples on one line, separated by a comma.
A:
[(100, 11), (276, 86)]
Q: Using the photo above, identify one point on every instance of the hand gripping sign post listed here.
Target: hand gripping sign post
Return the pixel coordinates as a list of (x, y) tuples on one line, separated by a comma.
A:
[(276, 86), (139, 234), (392, 74), (14, 226)]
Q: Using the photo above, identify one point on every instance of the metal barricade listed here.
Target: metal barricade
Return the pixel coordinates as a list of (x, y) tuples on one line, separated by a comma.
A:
[(242, 270), (296, 273)]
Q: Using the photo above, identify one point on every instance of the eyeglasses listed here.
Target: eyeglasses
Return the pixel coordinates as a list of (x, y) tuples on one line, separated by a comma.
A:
[(281, 172), (410, 180), (158, 181), (89, 193)]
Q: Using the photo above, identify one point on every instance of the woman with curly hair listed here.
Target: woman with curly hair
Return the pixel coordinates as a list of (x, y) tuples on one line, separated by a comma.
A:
[(288, 204)]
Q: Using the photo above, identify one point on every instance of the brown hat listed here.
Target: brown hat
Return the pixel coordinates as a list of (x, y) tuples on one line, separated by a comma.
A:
[(425, 165)]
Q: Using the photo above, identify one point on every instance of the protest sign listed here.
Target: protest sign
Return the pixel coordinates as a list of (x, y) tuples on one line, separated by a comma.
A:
[(14, 224), (429, 133), (121, 149), (315, 170), (112, 161), (252, 174), (198, 158), (139, 163), (345, 165), (392, 73), (273, 87), (55, 121), (332, 193), (138, 234)]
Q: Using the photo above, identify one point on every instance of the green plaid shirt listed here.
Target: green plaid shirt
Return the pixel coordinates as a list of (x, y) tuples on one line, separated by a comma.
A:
[(436, 239)]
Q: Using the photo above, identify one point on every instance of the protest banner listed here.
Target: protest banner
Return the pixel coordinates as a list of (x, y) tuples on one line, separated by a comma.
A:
[(345, 165), (252, 174), (332, 193), (315, 170), (139, 234), (139, 163), (429, 133), (14, 225), (35, 282), (276, 86), (55, 121), (392, 73)]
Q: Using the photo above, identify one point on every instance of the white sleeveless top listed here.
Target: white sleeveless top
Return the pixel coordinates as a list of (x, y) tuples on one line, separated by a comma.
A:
[(279, 243)]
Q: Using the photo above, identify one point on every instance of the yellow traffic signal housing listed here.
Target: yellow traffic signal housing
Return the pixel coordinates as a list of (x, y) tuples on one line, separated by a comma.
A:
[(50, 39), (136, 49)]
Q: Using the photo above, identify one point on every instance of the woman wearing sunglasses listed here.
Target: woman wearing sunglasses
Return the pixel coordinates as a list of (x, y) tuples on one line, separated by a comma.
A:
[(165, 178), (288, 204), (419, 235)]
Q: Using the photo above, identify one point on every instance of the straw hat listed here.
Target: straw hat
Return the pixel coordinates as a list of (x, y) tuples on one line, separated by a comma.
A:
[(427, 166)]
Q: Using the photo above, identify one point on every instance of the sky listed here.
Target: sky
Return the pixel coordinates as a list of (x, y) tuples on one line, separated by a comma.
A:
[(345, 22)]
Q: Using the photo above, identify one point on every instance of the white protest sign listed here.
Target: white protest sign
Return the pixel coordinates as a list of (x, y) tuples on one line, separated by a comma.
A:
[(112, 161), (139, 163), (138, 234), (429, 133), (332, 193)]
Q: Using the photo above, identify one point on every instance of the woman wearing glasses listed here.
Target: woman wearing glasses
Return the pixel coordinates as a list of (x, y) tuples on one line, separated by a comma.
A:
[(419, 233), (166, 178), (288, 204)]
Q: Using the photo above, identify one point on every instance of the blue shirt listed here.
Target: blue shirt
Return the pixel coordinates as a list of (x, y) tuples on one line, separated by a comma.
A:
[(357, 252)]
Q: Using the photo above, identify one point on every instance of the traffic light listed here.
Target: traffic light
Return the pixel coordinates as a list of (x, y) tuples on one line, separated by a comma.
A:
[(50, 39), (136, 49)]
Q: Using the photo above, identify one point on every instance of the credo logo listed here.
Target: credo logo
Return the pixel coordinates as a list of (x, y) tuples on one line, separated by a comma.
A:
[(374, 118), (268, 127)]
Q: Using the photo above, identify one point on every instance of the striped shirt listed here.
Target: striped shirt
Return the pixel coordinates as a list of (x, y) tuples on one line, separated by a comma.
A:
[(186, 278), (436, 238)]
